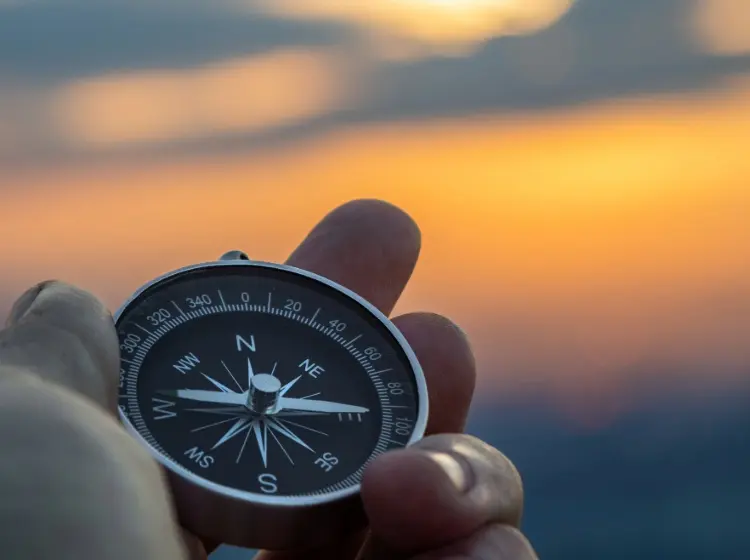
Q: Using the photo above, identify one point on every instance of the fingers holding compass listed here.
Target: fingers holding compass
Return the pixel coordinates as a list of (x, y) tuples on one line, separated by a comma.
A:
[(369, 246), (372, 248), (455, 483), (66, 459), (63, 335), (384, 245), (448, 496), (448, 364), (449, 368)]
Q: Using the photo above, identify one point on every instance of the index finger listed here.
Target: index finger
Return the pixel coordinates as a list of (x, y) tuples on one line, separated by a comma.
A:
[(66, 336)]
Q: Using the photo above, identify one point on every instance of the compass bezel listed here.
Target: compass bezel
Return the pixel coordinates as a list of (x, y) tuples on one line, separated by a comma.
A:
[(298, 501)]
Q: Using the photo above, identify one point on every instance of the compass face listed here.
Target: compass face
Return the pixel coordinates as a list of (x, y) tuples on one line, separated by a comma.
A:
[(263, 382)]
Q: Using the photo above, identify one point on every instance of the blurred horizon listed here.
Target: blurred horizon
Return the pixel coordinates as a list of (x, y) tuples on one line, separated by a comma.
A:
[(578, 170)]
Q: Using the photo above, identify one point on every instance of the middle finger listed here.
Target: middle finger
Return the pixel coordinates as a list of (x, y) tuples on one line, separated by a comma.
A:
[(368, 246), (372, 248)]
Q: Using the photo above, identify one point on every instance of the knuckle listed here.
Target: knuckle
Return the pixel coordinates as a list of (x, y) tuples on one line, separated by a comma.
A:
[(22, 304), (58, 355), (65, 335), (30, 298), (59, 301)]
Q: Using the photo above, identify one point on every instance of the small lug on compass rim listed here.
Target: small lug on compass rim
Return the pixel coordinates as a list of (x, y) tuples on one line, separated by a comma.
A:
[(234, 256)]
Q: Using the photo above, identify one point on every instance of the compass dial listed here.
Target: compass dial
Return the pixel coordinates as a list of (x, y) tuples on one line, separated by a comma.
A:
[(265, 383)]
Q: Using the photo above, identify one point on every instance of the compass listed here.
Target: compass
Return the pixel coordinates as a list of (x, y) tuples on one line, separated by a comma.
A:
[(265, 390)]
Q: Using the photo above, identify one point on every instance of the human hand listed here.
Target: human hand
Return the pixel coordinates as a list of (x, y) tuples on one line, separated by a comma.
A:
[(75, 485)]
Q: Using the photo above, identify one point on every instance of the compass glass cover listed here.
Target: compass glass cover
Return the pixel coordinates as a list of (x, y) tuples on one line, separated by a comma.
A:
[(263, 381)]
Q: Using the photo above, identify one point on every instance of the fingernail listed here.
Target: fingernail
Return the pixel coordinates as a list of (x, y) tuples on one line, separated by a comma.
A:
[(26, 302), (458, 472)]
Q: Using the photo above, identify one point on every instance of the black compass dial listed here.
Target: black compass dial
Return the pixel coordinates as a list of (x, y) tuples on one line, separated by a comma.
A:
[(263, 381)]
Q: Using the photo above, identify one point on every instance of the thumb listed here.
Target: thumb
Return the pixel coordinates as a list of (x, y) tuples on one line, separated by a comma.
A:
[(441, 490), (73, 483), (64, 335)]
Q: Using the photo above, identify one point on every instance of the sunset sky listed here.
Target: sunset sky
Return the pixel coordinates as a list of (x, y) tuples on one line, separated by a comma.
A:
[(579, 170)]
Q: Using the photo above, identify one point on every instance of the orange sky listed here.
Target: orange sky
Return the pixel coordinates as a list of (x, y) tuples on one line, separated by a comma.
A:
[(571, 245)]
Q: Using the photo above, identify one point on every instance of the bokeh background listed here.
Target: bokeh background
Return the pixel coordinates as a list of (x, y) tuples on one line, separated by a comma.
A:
[(580, 171)]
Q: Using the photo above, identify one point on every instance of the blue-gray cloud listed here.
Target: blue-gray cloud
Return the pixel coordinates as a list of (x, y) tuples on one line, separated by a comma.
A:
[(601, 49), (66, 39)]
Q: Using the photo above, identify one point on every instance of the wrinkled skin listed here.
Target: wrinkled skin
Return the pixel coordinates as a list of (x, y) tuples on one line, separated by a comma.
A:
[(75, 486)]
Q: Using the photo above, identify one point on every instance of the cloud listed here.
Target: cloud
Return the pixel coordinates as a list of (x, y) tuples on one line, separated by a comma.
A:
[(572, 247), (249, 94), (600, 49), (596, 50), (49, 41), (425, 26), (245, 95), (722, 26)]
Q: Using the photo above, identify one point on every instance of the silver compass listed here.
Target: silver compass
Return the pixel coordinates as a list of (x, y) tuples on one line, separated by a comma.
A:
[(264, 391)]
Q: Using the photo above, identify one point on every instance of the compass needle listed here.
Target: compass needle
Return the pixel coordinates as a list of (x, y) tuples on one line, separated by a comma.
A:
[(222, 358), (211, 396), (227, 411), (319, 406), (286, 413)]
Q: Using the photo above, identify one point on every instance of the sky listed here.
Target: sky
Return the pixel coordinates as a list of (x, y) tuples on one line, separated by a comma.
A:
[(579, 169)]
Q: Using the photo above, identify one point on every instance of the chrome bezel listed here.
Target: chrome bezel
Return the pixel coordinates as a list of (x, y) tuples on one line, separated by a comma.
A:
[(231, 514)]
